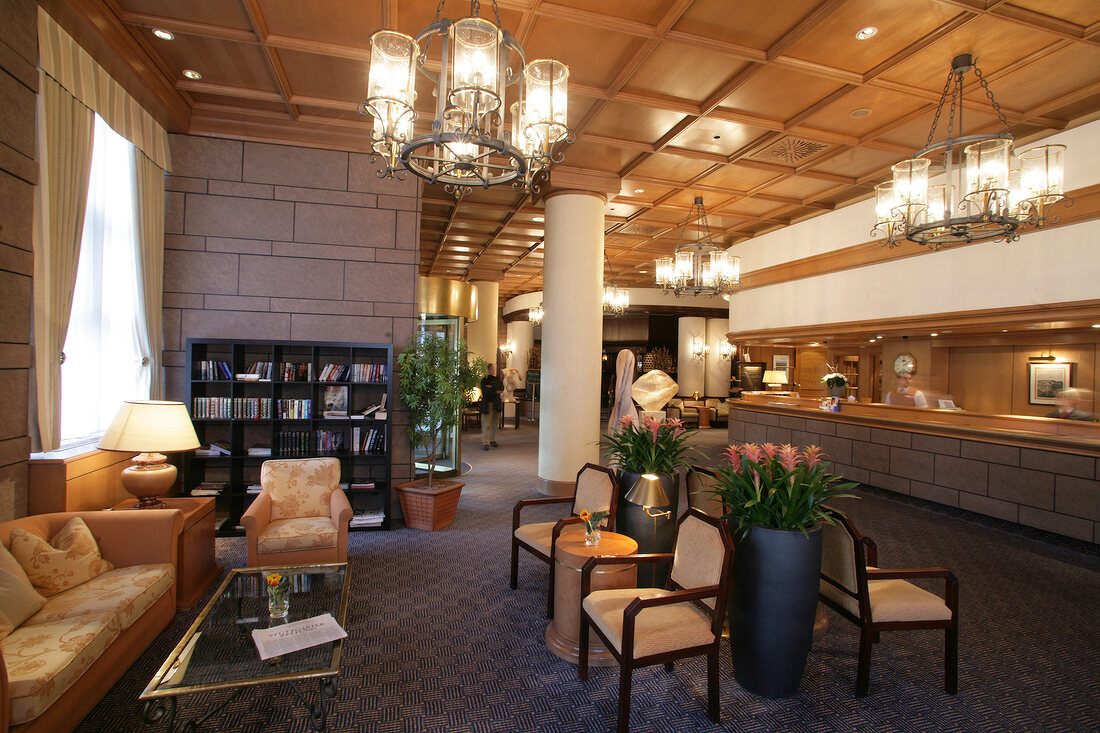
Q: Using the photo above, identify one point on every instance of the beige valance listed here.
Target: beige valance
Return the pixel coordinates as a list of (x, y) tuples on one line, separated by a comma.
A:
[(73, 68)]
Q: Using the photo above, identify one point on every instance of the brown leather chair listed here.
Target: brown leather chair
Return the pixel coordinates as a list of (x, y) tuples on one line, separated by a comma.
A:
[(647, 626), (597, 490), (879, 600), (301, 516)]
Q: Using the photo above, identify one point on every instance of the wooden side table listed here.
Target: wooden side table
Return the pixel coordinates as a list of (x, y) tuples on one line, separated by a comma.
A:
[(195, 564), (704, 416), (563, 633)]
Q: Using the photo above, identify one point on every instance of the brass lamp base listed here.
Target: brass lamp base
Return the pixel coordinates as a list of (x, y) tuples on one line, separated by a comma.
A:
[(147, 481)]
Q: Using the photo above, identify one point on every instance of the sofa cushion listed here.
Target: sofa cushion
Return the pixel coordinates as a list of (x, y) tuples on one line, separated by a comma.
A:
[(18, 598), (303, 533), (69, 559), (44, 660), (300, 487), (128, 591)]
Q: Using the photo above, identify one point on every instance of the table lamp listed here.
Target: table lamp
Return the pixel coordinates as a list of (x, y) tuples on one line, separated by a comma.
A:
[(151, 428), (774, 378), (648, 492)]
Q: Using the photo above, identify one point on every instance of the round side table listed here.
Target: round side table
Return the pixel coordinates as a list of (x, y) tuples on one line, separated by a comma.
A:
[(563, 633)]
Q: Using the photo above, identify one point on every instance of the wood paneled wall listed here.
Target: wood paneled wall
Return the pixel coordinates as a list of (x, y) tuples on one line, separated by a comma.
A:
[(18, 175), (994, 379)]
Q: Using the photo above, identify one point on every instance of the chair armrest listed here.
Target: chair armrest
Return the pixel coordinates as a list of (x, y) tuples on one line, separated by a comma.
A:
[(137, 536), (532, 502), (561, 525), (870, 550), (593, 562), (255, 520), (677, 596), (339, 508), (672, 413), (951, 583)]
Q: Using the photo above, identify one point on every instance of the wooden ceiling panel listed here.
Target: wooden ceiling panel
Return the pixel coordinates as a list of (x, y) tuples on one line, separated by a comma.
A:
[(684, 70), (739, 177), (226, 105), (649, 12), (642, 191), (315, 76), (709, 135), (599, 157), (211, 12), (1050, 77), (328, 22), (671, 167), (914, 134), (833, 43), (859, 162), (595, 56), (1084, 13), (632, 123), (771, 93), (797, 187), (221, 62), (754, 24), (884, 106), (751, 207)]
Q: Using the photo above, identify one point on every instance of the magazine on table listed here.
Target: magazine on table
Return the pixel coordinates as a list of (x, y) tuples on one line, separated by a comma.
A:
[(297, 635)]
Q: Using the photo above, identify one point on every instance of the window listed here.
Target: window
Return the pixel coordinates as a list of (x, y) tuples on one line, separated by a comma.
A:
[(102, 357)]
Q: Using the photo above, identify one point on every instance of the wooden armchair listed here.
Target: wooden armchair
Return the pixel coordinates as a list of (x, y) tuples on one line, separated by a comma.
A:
[(879, 600), (301, 516), (646, 626), (597, 491)]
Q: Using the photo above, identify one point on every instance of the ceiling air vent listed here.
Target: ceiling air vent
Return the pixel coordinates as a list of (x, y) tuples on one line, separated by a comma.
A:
[(789, 150), (640, 230)]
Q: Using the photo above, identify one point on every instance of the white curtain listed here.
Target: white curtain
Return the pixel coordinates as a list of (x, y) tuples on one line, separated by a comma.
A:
[(149, 205), (65, 158)]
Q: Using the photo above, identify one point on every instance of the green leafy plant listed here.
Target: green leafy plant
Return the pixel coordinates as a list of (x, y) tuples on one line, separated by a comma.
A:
[(778, 487), (649, 446), (435, 378)]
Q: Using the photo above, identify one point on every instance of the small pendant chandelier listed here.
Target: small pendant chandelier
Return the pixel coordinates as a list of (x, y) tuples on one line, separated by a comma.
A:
[(534, 314), (701, 267), (963, 189), (468, 146), (615, 299)]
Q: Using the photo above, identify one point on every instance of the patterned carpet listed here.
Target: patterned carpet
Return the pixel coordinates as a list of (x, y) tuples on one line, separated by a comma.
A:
[(438, 643)]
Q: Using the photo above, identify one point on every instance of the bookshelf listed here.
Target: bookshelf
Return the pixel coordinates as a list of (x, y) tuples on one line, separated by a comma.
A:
[(255, 400), (849, 367)]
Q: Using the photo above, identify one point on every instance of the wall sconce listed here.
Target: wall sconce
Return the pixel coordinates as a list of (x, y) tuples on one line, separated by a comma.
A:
[(506, 350), (699, 349), (726, 350), (1045, 356)]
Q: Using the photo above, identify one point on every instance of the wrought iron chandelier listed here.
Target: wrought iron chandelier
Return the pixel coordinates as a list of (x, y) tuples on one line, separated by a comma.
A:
[(701, 267), (468, 146), (963, 189), (615, 299)]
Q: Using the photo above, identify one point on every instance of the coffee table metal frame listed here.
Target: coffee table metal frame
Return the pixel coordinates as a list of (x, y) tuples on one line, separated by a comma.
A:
[(161, 704)]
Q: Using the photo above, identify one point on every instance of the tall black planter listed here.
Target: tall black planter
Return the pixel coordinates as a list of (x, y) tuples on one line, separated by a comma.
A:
[(632, 520), (776, 574)]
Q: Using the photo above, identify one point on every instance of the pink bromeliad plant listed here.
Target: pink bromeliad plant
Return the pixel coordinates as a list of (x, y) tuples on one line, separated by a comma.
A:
[(778, 487), (649, 445)]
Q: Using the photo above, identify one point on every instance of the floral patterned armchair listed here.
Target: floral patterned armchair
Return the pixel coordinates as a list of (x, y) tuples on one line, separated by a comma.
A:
[(301, 516)]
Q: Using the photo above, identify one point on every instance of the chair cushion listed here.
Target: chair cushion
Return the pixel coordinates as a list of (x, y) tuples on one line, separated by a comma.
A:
[(128, 591), (656, 630), (899, 600), (300, 488), (537, 536), (69, 559), (301, 533), (18, 598), (44, 660)]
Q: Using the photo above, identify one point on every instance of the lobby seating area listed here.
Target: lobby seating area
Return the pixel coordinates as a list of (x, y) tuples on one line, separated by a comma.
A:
[(440, 643)]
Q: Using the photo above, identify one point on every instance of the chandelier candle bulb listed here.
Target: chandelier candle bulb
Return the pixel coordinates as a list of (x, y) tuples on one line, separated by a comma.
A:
[(987, 168), (476, 84), (1042, 173)]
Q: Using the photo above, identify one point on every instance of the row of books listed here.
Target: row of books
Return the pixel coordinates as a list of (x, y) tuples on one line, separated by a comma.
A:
[(368, 518), (366, 373), (209, 488), (296, 371), (330, 441), (368, 440), (213, 488), (261, 370), (294, 409), (222, 448), (245, 408), (214, 370), (292, 442)]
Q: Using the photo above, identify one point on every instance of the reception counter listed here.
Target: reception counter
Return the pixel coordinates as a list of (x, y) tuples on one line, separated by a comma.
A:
[(1038, 472)]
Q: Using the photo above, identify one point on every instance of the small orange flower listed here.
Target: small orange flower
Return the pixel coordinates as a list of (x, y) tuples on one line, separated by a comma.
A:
[(274, 579), (586, 515)]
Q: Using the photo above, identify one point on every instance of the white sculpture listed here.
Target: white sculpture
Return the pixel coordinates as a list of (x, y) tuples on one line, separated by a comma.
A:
[(653, 389), (512, 381)]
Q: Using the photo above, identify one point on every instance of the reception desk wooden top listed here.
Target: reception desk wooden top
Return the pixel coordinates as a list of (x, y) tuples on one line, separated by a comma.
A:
[(1068, 436)]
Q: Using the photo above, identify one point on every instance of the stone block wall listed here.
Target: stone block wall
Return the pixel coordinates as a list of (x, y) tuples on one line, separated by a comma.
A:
[(276, 242), (18, 176), (1049, 490)]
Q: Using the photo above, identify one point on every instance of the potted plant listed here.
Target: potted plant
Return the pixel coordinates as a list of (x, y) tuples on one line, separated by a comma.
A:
[(649, 446), (836, 384), (776, 499), (435, 377)]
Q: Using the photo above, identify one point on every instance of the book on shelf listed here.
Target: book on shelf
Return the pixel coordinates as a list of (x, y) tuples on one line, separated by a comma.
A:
[(260, 450), (334, 414), (368, 518), (336, 399), (217, 448), (244, 377), (254, 489), (361, 486), (208, 488)]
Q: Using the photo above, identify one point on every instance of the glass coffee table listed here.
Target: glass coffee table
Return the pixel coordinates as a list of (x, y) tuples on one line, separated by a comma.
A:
[(218, 652)]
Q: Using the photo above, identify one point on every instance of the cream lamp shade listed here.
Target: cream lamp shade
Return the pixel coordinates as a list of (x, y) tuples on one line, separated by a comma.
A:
[(776, 376), (150, 428)]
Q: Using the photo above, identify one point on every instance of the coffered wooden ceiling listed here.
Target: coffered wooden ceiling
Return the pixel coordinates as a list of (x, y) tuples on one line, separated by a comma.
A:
[(773, 112)]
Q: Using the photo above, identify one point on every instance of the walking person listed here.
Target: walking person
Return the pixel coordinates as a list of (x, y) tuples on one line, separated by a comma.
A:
[(491, 407)]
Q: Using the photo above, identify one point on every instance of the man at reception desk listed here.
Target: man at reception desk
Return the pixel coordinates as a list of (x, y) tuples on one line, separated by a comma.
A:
[(905, 394), (1068, 399)]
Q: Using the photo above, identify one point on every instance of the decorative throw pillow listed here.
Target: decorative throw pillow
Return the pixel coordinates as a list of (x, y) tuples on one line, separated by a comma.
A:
[(69, 559), (18, 598)]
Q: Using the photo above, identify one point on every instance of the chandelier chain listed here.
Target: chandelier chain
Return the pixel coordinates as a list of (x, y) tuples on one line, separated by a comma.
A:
[(992, 100), (496, 14), (939, 109)]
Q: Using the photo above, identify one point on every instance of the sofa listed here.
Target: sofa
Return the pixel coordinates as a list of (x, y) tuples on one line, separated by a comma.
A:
[(687, 410), (56, 665)]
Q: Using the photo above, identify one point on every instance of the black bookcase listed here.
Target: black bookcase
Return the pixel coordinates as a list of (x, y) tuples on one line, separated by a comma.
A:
[(283, 409)]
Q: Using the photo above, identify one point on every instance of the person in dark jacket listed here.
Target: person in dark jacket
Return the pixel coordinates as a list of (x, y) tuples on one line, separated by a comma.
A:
[(491, 407)]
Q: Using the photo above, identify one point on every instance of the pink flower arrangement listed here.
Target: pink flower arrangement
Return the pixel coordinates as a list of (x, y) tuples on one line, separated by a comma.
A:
[(648, 445)]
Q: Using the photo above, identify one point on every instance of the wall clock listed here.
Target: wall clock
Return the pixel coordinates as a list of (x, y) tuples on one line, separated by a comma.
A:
[(905, 364)]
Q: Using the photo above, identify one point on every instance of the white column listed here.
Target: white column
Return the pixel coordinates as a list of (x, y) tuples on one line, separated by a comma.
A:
[(481, 335), (572, 330), (690, 372), (521, 335), (718, 369)]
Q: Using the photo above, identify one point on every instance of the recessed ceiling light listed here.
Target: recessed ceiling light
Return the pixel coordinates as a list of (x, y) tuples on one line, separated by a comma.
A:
[(864, 33), (639, 190), (643, 271), (871, 340), (192, 74), (1096, 325), (860, 113), (933, 334), (1005, 330), (879, 336), (717, 137), (538, 218), (816, 343), (163, 34)]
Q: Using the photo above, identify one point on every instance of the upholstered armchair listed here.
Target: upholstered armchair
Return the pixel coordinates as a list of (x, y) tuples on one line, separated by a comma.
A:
[(646, 626), (719, 410), (678, 409), (879, 600), (301, 516), (597, 491)]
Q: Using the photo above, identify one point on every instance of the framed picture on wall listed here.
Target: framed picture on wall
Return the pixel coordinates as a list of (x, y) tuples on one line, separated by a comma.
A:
[(782, 363), (1045, 381), (752, 375)]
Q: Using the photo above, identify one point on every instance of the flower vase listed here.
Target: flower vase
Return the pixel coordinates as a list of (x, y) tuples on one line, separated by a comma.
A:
[(592, 537), (278, 601)]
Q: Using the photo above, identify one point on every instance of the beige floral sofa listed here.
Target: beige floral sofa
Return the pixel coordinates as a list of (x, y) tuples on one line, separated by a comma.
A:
[(56, 665)]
